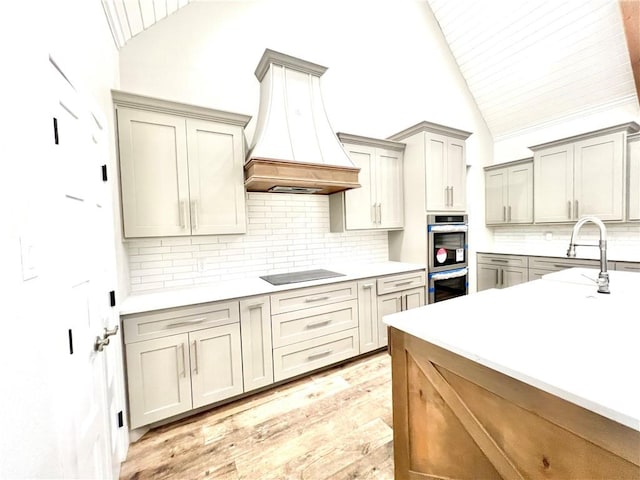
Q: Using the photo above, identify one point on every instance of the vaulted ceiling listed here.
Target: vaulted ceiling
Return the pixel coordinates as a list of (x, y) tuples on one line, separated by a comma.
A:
[(526, 62), (532, 62)]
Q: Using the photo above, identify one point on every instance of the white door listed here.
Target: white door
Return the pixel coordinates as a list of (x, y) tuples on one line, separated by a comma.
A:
[(86, 452)]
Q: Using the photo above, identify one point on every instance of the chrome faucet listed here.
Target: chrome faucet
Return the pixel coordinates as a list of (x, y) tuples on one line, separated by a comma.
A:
[(603, 276)]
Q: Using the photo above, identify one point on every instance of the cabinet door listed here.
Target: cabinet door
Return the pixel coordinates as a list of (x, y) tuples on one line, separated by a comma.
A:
[(153, 173), (216, 178), (456, 167), (389, 188), (520, 194), (414, 298), (437, 189), (255, 329), (634, 180), (360, 203), (553, 184), (599, 177), (367, 316), (216, 364), (387, 304), (488, 276), (495, 184), (513, 276), (158, 379)]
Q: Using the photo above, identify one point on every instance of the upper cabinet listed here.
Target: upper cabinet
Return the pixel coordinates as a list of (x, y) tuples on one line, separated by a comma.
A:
[(509, 193), (379, 202), (582, 175), (634, 177), (181, 168), (439, 152)]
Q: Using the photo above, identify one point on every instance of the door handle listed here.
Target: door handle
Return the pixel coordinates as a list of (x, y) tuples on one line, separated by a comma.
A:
[(103, 341), (195, 357), (194, 214), (509, 214)]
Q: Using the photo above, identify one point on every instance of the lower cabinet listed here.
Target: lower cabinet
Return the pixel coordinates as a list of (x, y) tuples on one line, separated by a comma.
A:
[(255, 331), (628, 266), (317, 326), (174, 374), (539, 266), (397, 293), (179, 359), (368, 315), (501, 271)]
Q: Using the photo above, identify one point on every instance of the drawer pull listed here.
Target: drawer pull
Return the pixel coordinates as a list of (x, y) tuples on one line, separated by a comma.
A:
[(319, 354), (185, 323), (367, 285), (253, 306), (318, 323), (498, 260), (316, 299), (399, 284)]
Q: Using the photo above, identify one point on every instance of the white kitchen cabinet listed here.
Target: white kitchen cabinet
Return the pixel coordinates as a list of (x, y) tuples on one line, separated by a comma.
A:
[(255, 329), (181, 168), (634, 177), (216, 364), (509, 193), (539, 266), (500, 271), (582, 175), (159, 379), (628, 266), (368, 315), (313, 327), (397, 293), (181, 358), (435, 167), (379, 202)]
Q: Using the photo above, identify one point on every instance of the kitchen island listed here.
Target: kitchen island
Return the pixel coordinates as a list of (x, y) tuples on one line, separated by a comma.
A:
[(539, 380)]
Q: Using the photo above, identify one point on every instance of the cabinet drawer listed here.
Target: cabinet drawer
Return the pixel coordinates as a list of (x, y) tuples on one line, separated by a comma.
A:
[(556, 264), (502, 260), (396, 283), (313, 297), (313, 322), (305, 356), (178, 320), (628, 266)]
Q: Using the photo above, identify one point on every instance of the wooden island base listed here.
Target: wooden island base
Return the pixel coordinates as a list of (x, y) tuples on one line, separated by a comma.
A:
[(456, 419)]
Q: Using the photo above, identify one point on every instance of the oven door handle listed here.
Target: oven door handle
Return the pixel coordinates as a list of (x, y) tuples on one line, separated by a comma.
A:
[(461, 272), (447, 228)]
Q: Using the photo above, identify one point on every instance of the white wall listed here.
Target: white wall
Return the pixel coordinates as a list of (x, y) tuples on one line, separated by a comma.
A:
[(388, 67), (31, 336)]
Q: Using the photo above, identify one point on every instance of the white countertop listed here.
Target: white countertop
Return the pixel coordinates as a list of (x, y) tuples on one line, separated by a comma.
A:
[(246, 287), (557, 334)]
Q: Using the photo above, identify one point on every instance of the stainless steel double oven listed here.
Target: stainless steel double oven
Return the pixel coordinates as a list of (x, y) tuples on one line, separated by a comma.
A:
[(447, 254)]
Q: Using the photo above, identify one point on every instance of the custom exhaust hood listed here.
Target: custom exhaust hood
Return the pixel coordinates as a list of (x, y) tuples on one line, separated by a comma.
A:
[(294, 149)]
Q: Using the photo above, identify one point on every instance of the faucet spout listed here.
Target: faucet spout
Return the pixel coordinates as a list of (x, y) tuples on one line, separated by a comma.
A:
[(603, 276)]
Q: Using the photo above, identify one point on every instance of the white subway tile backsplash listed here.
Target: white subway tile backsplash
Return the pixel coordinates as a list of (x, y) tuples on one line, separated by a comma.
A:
[(284, 233)]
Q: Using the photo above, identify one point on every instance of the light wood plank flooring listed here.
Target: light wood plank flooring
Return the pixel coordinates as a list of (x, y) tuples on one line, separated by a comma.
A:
[(335, 424)]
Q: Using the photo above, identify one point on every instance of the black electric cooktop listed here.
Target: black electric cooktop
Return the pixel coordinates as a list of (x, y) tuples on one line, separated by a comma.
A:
[(295, 277)]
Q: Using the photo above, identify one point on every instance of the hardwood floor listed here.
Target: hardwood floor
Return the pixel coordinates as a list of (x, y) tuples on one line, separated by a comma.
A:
[(333, 425)]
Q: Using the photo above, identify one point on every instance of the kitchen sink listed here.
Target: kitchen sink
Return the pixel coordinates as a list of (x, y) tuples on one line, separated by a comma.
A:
[(304, 276)]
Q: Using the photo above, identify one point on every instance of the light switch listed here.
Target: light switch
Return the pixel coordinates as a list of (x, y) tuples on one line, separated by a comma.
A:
[(28, 256)]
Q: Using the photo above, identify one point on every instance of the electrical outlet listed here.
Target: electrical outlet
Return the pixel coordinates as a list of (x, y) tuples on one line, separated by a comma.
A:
[(201, 265), (548, 236)]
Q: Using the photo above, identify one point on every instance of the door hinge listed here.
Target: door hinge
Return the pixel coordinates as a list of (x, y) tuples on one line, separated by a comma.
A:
[(55, 131), (70, 342), (112, 298), (104, 173), (120, 419)]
